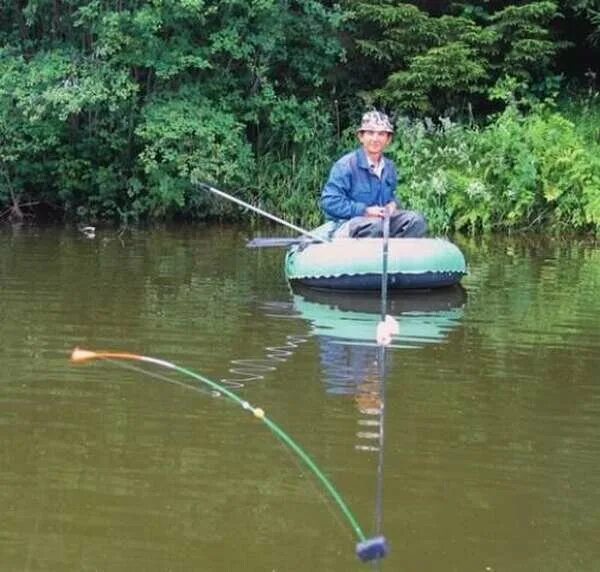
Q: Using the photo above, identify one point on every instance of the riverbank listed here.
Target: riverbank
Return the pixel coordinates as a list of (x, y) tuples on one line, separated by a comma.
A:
[(534, 166)]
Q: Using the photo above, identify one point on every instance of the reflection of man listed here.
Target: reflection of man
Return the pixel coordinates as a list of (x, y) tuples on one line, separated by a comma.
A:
[(345, 328), (362, 185), (352, 369), (368, 396), (346, 364), (369, 401)]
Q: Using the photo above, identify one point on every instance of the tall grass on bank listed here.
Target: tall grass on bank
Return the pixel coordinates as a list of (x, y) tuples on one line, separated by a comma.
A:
[(292, 187)]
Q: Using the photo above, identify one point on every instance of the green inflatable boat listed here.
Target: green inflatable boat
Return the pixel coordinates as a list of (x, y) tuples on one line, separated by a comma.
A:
[(356, 263)]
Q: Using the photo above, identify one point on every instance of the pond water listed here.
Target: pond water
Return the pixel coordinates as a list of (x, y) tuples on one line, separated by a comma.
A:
[(491, 456)]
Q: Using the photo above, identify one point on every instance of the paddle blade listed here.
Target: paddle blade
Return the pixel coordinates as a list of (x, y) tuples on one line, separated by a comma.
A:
[(275, 242)]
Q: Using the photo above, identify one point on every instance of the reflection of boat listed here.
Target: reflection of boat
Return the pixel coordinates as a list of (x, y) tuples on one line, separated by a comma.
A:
[(397, 302), (424, 317), (353, 365), (356, 264)]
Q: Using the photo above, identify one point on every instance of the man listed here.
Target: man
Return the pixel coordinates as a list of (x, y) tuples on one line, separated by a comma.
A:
[(362, 185)]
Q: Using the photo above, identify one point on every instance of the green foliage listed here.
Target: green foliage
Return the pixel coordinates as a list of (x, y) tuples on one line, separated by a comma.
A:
[(126, 103), (524, 41), (519, 172), (390, 32), (591, 10), (114, 109), (49, 105), (297, 157), (444, 75), (435, 64), (186, 139)]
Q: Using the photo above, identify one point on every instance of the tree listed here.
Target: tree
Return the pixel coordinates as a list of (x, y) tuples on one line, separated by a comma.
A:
[(436, 64)]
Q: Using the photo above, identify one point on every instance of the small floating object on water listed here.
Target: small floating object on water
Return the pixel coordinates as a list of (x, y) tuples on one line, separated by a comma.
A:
[(88, 231), (386, 329)]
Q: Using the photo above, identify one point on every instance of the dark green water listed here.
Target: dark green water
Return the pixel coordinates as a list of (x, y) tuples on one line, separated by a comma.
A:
[(492, 410)]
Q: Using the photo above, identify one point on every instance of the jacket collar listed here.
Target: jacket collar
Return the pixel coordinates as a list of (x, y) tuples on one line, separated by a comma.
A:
[(363, 160)]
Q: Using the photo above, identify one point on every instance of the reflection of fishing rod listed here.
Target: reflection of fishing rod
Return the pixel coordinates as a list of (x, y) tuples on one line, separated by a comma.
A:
[(366, 549), (262, 212)]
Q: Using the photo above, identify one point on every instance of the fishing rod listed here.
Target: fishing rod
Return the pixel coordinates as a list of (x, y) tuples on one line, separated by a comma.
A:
[(382, 343), (384, 263), (388, 326), (264, 213), (367, 549)]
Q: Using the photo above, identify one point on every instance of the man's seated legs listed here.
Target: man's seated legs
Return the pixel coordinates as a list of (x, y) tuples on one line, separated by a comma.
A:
[(403, 224)]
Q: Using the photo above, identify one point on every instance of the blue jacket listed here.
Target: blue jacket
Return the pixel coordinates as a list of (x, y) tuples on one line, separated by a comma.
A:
[(351, 186)]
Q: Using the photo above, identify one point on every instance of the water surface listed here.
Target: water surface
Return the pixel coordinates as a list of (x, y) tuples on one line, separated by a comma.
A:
[(491, 459)]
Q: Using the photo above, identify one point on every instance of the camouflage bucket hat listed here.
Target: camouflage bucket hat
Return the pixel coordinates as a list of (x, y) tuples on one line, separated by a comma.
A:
[(376, 121)]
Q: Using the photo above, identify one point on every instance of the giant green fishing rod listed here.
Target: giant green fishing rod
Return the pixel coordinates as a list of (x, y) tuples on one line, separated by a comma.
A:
[(366, 549)]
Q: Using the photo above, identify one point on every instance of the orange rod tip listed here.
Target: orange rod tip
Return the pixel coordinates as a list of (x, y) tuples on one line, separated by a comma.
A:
[(80, 355)]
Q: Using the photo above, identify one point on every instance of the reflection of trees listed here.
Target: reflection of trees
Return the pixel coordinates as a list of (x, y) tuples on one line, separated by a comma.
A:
[(502, 418), (530, 333), (130, 290), (535, 293)]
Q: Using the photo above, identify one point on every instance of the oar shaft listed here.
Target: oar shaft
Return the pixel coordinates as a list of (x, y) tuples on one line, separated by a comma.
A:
[(262, 212)]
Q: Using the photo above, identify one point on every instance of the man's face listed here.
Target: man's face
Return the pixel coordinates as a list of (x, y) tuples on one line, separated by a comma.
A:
[(374, 142)]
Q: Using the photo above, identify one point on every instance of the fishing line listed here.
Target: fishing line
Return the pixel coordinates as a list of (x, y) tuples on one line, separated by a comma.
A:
[(379, 486), (367, 549), (246, 370), (126, 365)]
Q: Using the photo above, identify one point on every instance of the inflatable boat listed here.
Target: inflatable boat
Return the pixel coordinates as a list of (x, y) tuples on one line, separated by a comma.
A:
[(356, 263)]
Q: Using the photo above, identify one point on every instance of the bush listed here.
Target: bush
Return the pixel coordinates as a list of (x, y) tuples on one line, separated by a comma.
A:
[(186, 139), (521, 171)]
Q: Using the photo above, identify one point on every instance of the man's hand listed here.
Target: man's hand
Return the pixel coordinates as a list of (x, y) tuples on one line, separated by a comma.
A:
[(379, 212), (375, 211), (391, 207)]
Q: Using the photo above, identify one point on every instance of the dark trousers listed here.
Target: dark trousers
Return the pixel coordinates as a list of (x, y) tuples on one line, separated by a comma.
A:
[(405, 224)]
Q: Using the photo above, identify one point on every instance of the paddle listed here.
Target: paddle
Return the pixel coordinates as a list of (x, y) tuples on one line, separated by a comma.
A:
[(262, 212), (278, 241)]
